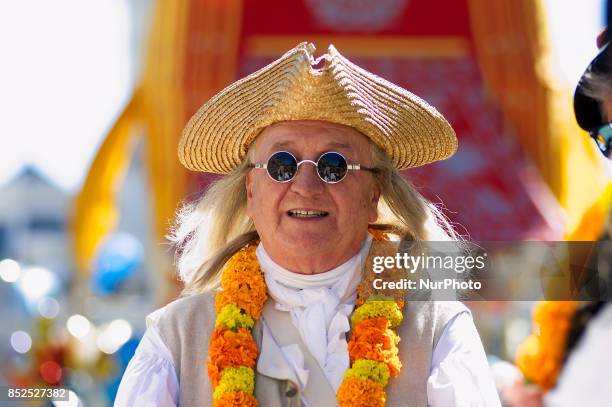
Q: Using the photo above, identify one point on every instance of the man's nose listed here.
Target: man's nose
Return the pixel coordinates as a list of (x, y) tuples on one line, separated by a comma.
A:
[(306, 181)]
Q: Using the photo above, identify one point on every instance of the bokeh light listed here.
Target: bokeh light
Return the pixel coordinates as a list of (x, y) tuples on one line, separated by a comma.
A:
[(73, 401), (85, 351), (21, 341), (36, 282), (9, 270), (51, 372), (78, 326), (114, 336), (48, 307)]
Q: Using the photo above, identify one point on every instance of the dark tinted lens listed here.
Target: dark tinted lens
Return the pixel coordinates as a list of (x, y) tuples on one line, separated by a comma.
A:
[(604, 139), (282, 166), (601, 142), (331, 167)]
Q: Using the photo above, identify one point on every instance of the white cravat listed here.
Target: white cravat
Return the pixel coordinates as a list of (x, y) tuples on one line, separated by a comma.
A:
[(320, 306)]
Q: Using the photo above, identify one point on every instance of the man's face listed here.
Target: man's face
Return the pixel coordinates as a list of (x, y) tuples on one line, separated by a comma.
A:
[(312, 244)]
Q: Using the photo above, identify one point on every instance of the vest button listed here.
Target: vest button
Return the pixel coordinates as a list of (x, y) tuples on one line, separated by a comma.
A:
[(291, 390)]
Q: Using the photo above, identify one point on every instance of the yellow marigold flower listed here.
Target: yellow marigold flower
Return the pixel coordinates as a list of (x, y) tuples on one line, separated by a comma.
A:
[(232, 317), (377, 309), (356, 392), (235, 379), (234, 399), (369, 369), (360, 301)]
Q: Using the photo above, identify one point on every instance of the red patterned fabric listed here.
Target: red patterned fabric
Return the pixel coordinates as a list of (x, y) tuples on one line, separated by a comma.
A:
[(488, 188)]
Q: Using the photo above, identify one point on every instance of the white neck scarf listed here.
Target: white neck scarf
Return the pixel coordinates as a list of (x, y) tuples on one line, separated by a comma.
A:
[(320, 306)]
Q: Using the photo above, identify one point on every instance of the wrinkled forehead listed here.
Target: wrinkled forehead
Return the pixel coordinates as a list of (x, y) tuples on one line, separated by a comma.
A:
[(311, 137)]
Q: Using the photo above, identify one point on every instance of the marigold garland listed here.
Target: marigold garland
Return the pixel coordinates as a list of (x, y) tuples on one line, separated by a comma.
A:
[(373, 350), (540, 356), (233, 352)]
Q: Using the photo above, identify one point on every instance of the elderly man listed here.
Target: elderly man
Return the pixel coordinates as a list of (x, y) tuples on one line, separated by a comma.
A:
[(278, 307)]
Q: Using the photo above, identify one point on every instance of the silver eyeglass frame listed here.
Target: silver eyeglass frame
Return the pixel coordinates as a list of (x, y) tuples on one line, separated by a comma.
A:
[(349, 167)]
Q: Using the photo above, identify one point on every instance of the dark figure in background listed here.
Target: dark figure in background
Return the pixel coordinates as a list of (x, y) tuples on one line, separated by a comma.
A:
[(588, 367)]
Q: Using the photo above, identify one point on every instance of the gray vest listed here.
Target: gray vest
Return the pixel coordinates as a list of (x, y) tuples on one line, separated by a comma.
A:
[(185, 326)]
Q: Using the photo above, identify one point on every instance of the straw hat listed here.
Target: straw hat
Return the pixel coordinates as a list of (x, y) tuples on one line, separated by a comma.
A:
[(412, 132)]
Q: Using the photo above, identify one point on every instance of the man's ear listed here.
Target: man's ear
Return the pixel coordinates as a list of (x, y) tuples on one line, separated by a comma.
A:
[(248, 184), (374, 198)]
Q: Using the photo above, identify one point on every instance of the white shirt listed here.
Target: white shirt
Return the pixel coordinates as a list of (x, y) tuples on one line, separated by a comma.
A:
[(320, 306), (459, 375), (459, 371), (585, 379)]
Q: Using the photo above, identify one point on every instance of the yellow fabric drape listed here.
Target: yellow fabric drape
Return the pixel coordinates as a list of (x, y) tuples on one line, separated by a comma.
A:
[(95, 213), (165, 114), (512, 45), (589, 227), (192, 53)]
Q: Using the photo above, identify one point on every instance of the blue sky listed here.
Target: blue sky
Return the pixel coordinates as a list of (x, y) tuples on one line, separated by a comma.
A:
[(60, 92)]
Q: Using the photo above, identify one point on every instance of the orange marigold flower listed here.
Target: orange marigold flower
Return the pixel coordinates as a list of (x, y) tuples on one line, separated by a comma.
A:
[(548, 311), (234, 399), (214, 373), (541, 355), (356, 392), (552, 321), (537, 364), (235, 274), (230, 349), (244, 260), (375, 330), (373, 340), (243, 284), (251, 302)]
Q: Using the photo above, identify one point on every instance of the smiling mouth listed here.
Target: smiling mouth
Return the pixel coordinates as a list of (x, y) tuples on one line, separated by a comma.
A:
[(306, 214)]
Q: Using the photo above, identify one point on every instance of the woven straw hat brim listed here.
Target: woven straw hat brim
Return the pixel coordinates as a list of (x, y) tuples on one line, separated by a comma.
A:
[(409, 130)]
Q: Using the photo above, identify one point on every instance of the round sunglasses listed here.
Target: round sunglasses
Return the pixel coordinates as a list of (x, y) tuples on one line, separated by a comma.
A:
[(603, 137), (332, 167)]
